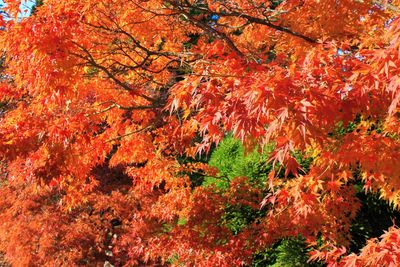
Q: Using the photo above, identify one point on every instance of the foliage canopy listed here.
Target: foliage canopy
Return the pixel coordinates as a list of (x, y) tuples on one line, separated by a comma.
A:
[(109, 111)]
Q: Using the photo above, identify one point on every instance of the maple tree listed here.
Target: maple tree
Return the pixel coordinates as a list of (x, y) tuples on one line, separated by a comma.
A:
[(109, 111)]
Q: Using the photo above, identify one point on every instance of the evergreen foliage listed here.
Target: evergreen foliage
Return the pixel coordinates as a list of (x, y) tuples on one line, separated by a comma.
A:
[(232, 161)]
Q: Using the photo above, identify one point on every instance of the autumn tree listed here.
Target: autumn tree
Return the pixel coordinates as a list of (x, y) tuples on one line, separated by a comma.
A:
[(114, 107)]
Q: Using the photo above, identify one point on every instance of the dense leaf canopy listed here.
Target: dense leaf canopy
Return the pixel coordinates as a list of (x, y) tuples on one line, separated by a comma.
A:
[(110, 109)]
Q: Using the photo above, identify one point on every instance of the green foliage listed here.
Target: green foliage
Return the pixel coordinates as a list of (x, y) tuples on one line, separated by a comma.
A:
[(342, 128), (38, 3), (237, 217), (174, 260), (291, 252), (92, 71), (232, 161)]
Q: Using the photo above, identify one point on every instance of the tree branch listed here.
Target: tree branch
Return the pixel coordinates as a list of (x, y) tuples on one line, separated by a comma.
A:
[(208, 28), (93, 62), (260, 21)]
